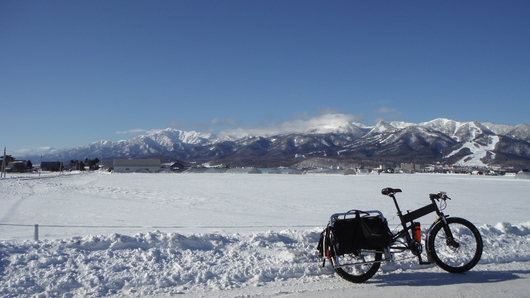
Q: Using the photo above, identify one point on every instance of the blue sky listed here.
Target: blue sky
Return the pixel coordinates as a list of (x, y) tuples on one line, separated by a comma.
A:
[(75, 72)]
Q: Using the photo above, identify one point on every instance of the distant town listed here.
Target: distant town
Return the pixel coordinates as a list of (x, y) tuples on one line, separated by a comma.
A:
[(155, 165)]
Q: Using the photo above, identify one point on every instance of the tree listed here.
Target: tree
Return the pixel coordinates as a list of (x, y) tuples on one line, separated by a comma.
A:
[(8, 159), (92, 163), (77, 165)]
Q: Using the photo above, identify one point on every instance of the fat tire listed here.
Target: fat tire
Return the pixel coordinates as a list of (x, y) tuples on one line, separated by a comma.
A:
[(371, 269), (455, 259)]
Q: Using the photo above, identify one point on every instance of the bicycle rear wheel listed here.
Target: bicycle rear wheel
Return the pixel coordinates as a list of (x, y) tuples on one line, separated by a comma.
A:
[(459, 253), (358, 267)]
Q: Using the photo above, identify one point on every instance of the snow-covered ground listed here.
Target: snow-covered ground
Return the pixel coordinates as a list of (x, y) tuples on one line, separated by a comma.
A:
[(240, 235)]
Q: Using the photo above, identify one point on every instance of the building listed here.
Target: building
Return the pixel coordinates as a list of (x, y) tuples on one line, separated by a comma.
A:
[(410, 167), (52, 166), (120, 165), (18, 166), (174, 166)]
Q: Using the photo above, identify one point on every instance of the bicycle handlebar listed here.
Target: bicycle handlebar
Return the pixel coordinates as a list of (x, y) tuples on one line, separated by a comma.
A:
[(439, 196)]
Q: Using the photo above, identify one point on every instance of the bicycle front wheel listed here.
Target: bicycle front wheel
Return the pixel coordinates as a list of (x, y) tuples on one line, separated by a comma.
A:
[(358, 267), (458, 253)]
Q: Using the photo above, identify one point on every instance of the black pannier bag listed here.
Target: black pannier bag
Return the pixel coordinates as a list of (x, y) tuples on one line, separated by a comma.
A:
[(360, 232), (323, 243)]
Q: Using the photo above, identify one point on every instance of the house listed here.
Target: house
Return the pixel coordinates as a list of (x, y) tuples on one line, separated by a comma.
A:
[(18, 166), (52, 166), (173, 166), (176, 166), (410, 167), (121, 165)]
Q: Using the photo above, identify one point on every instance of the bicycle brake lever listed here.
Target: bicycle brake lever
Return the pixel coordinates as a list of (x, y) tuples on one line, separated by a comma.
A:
[(444, 197)]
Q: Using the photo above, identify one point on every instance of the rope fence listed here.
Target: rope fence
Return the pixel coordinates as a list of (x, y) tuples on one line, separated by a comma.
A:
[(36, 227)]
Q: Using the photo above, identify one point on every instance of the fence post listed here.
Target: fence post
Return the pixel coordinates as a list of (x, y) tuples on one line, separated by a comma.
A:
[(36, 232)]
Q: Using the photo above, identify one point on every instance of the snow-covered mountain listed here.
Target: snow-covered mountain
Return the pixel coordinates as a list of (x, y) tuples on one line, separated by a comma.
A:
[(439, 140)]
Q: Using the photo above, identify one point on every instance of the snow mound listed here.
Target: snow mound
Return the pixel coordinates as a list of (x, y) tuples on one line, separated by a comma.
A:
[(170, 263)]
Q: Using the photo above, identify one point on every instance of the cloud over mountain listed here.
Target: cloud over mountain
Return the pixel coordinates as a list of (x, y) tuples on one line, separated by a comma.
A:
[(294, 126)]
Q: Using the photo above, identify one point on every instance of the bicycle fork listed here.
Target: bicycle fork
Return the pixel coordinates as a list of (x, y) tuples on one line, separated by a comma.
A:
[(450, 241)]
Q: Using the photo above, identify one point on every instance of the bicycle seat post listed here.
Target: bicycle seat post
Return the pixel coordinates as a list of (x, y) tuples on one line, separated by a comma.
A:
[(391, 192), (396, 204)]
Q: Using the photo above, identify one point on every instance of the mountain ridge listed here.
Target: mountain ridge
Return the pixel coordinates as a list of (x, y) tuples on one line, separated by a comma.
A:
[(474, 144)]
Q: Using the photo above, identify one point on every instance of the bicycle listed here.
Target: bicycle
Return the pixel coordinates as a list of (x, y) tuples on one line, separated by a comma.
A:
[(356, 241)]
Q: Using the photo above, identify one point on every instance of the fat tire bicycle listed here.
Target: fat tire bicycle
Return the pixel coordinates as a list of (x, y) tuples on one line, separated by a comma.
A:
[(452, 243)]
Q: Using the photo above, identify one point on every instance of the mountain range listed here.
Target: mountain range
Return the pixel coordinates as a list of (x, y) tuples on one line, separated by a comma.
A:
[(445, 141)]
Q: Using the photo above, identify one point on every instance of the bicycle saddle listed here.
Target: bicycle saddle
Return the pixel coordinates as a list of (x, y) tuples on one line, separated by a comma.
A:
[(390, 191)]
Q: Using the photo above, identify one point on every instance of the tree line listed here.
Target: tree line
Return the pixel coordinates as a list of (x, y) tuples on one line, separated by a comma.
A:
[(81, 165), (74, 164)]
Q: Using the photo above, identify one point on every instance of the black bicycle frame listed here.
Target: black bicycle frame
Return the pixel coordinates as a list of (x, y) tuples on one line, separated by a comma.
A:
[(409, 217)]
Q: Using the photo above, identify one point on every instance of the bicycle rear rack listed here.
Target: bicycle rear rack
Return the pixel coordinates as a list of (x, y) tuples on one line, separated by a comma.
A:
[(336, 216)]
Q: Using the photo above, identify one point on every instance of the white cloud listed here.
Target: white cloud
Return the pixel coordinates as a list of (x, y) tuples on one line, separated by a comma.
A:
[(31, 152), (385, 110), (298, 125), (224, 121), (301, 124), (385, 114)]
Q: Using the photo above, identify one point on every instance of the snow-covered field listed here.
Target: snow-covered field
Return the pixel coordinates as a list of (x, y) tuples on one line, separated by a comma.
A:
[(240, 235)]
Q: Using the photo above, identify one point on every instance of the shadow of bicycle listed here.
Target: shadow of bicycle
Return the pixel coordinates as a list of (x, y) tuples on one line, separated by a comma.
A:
[(444, 278)]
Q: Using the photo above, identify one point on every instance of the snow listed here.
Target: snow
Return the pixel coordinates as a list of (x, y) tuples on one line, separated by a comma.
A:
[(478, 152), (227, 235)]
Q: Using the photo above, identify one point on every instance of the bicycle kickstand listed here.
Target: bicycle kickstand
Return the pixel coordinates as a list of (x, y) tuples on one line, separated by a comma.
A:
[(428, 262)]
